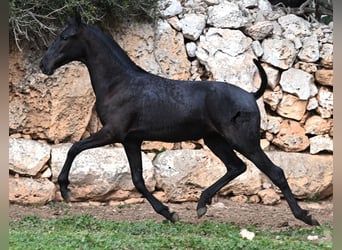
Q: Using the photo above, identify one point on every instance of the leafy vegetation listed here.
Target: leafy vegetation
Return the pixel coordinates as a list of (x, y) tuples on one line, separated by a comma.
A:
[(86, 232), (33, 20)]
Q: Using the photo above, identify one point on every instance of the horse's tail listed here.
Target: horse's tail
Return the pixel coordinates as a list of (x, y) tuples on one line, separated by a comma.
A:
[(263, 77)]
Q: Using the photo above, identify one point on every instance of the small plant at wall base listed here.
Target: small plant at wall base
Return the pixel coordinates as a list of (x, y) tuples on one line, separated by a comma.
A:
[(35, 20)]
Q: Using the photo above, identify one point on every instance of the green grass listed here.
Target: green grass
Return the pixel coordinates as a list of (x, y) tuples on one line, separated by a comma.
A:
[(86, 232)]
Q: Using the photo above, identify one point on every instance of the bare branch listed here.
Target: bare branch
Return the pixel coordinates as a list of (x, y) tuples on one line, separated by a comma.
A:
[(37, 19)]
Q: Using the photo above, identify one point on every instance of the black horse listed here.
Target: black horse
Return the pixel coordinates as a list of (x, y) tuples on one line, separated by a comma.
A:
[(134, 105)]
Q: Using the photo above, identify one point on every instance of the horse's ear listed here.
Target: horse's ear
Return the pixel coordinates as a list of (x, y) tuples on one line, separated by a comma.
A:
[(78, 18), (74, 24), (69, 20)]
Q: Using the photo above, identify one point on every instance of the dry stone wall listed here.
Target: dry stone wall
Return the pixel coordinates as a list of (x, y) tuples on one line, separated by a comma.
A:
[(196, 40)]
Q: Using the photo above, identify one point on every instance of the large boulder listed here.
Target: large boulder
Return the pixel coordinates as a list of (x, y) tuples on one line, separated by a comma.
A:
[(309, 176), (99, 173), (55, 108), (184, 174), (158, 49), (227, 54)]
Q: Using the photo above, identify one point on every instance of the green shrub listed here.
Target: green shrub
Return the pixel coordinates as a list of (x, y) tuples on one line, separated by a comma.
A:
[(35, 20)]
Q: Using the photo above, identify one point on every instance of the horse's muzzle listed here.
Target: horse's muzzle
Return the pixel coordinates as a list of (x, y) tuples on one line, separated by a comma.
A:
[(45, 69)]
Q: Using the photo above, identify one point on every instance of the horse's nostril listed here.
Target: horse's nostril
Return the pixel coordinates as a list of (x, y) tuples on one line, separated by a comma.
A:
[(43, 68)]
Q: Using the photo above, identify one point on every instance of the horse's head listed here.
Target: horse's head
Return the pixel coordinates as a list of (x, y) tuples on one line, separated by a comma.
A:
[(64, 49)]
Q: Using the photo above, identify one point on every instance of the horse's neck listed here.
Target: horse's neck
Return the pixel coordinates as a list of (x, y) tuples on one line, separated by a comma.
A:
[(106, 62)]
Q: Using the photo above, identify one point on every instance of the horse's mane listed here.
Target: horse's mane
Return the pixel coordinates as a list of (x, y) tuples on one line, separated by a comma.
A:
[(119, 53)]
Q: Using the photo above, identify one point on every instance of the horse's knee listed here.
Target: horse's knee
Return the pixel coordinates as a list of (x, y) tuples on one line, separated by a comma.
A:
[(277, 175)]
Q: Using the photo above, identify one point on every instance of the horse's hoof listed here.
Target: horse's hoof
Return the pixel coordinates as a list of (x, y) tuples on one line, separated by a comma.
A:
[(66, 194), (308, 219), (174, 217), (313, 222), (201, 211)]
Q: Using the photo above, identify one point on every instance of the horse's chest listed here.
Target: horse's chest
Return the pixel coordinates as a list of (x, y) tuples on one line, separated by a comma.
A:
[(115, 112)]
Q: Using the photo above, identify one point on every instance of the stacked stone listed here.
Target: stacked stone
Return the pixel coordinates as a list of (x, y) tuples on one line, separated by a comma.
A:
[(196, 40), (224, 36)]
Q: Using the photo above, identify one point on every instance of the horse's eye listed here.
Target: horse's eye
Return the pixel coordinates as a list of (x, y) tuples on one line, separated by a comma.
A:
[(64, 38)]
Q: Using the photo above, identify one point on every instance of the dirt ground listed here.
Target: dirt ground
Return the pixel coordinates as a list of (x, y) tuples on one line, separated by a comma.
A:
[(276, 217)]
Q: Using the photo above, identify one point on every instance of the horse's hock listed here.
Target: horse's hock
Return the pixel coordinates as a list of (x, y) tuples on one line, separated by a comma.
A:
[(49, 112)]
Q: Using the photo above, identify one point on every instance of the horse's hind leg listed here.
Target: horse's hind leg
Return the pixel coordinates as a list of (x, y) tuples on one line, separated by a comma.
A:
[(235, 166), (132, 148), (101, 138), (276, 174)]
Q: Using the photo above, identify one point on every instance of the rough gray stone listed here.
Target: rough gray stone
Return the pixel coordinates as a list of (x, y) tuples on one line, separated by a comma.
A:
[(265, 6), (273, 124), (273, 76), (279, 53), (325, 99), (312, 104), (294, 26), (260, 30), (28, 157), (226, 15), (326, 55), (191, 49), (272, 98), (257, 49), (170, 8), (250, 3), (310, 50), (321, 143), (227, 54), (296, 81), (192, 25)]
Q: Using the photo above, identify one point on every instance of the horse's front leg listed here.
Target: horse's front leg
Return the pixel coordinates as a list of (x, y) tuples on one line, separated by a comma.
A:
[(101, 138), (132, 148)]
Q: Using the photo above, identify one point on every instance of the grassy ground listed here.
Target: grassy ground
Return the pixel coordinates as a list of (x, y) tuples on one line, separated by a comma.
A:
[(87, 232)]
